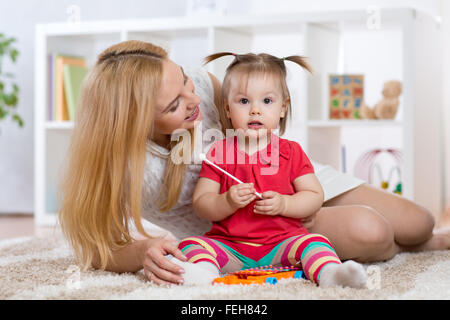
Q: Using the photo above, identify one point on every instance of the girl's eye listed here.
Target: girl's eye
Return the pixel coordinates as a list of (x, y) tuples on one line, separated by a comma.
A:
[(267, 100), (243, 101)]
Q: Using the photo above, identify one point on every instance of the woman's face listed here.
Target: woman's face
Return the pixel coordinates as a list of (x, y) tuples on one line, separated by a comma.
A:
[(177, 106)]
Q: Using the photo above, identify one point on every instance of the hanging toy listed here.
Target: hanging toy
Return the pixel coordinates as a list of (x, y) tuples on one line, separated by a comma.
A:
[(366, 167)]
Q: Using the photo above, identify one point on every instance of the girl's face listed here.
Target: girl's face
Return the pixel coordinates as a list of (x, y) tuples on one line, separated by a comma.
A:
[(177, 106), (255, 102)]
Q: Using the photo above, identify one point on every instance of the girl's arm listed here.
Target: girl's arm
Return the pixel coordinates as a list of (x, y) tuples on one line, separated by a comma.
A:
[(211, 205), (208, 203), (308, 198), (305, 202)]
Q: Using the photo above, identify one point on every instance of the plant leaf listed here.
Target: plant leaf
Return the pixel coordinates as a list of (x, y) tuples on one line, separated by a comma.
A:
[(3, 113), (13, 54)]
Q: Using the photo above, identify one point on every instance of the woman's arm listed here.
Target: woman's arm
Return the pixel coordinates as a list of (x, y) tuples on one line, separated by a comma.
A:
[(127, 259), (148, 254)]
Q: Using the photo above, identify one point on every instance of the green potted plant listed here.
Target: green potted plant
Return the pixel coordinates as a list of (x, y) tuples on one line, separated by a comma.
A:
[(9, 90)]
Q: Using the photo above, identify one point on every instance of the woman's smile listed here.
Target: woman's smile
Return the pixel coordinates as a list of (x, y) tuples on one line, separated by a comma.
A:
[(194, 114)]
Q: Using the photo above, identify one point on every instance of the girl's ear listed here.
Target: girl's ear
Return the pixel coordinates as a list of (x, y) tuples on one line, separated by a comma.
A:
[(227, 109), (286, 104)]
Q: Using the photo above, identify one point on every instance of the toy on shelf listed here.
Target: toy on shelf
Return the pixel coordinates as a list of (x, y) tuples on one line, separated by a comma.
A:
[(346, 96), (366, 167), (387, 107), (261, 275)]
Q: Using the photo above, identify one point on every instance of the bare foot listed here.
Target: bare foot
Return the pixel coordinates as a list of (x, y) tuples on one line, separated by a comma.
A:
[(439, 241)]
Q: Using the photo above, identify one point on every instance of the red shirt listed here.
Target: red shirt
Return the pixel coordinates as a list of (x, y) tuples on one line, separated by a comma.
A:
[(266, 171)]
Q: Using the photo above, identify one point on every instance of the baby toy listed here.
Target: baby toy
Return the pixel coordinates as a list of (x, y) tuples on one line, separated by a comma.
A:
[(261, 275), (366, 167), (346, 95), (203, 158), (387, 107)]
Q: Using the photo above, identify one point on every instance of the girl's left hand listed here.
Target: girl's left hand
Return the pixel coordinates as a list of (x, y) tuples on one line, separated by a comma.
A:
[(272, 204)]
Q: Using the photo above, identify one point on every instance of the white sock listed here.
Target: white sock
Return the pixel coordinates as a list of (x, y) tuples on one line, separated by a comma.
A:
[(349, 274), (198, 273)]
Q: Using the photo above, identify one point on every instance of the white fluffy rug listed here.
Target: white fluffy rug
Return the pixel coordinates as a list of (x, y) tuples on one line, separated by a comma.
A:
[(35, 268)]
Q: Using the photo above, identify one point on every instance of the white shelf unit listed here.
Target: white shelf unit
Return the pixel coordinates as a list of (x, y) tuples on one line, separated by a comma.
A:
[(329, 40)]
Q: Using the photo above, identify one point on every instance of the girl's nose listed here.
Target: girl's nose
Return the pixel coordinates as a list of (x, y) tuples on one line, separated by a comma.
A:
[(254, 110)]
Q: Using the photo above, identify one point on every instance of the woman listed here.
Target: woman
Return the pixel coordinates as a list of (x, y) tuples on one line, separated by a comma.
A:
[(120, 171)]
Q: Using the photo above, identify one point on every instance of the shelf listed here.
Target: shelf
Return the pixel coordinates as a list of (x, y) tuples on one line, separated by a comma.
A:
[(61, 125), (334, 42), (354, 123)]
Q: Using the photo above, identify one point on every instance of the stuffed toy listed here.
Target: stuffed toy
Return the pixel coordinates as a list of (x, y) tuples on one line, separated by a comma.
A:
[(387, 107)]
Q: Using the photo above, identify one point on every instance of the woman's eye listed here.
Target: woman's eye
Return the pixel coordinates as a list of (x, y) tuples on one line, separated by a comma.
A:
[(267, 100), (243, 101), (175, 107)]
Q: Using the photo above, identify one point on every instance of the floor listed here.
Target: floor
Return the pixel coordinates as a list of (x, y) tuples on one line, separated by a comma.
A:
[(21, 225)]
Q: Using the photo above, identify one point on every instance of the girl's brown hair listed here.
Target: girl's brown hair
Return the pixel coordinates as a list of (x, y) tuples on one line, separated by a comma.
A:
[(102, 185), (262, 63)]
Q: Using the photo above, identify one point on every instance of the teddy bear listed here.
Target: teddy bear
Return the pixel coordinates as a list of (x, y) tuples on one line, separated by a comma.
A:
[(387, 107)]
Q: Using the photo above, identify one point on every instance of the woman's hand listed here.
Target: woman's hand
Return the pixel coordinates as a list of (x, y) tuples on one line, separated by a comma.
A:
[(240, 195), (272, 203), (159, 269)]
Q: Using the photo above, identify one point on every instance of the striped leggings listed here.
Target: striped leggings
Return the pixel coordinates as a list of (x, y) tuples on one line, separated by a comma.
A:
[(311, 251)]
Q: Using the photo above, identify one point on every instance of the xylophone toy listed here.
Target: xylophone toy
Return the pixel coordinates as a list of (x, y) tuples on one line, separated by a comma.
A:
[(261, 275)]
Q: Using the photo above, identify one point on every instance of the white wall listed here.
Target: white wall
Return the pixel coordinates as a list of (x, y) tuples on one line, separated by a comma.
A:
[(16, 145), (259, 6), (446, 99)]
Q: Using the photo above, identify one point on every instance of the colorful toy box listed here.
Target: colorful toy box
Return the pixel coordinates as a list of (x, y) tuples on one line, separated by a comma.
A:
[(346, 96)]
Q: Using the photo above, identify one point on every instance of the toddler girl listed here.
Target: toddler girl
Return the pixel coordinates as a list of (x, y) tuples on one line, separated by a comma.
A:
[(249, 231)]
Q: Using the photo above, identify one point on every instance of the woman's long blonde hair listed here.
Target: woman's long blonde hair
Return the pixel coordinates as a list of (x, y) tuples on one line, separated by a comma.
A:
[(102, 184)]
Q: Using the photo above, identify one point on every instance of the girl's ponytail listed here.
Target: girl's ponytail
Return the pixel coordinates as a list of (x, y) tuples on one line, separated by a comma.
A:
[(300, 61), (218, 55)]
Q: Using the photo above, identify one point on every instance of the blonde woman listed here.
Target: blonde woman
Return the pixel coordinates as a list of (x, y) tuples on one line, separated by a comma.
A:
[(120, 174)]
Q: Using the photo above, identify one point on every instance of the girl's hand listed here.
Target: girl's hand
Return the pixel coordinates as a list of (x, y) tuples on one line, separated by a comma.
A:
[(240, 195), (272, 204), (159, 269)]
